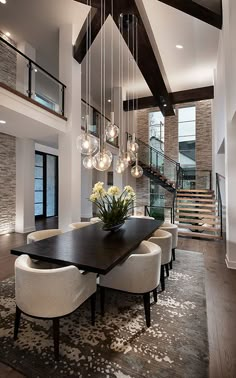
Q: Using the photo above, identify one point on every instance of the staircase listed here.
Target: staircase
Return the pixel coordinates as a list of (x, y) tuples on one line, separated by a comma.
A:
[(157, 166), (196, 214)]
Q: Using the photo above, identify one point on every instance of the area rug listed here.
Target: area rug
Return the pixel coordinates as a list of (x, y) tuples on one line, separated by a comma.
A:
[(120, 345)]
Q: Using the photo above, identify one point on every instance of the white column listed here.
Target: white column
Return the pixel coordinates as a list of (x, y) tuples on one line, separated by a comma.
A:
[(69, 156), (25, 220)]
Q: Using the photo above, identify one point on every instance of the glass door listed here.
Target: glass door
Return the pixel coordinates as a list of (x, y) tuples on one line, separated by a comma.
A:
[(46, 185)]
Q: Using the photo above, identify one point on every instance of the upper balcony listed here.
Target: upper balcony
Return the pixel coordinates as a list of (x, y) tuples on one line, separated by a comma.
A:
[(24, 77)]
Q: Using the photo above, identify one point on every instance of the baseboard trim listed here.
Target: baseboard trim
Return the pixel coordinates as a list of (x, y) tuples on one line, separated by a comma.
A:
[(230, 264), (26, 230)]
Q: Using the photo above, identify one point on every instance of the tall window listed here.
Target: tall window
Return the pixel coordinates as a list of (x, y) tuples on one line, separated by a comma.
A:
[(187, 141), (156, 130)]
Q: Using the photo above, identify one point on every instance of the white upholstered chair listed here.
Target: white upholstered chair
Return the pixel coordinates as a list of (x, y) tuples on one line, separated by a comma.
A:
[(51, 293), (164, 240), (95, 220), (173, 229), (77, 225), (42, 234), (141, 217), (139, 274)]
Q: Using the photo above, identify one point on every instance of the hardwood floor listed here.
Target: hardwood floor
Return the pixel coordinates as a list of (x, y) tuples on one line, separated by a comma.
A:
[(220, 298)]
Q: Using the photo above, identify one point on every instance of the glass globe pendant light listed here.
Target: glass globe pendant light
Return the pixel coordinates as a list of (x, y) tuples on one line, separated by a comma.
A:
[(112, 131), (88, 162), (86, 142), (132, 145), (102, 160), (137, 171)]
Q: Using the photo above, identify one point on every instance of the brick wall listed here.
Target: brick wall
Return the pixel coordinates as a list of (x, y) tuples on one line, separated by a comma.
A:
[(7, 183), (203, 144), (7, 63)]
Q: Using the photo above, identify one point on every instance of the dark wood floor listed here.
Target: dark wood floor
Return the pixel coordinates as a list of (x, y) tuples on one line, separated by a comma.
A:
[(220, 296)]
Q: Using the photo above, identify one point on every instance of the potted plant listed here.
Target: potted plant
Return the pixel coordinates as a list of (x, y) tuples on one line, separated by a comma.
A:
[(113, 205)]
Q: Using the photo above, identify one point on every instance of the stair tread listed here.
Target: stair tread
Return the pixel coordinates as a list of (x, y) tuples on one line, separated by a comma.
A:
[(192, 227), (195, 199), (196, 204), (197, 215), (195, 195), (209, 221), (199, 235), (196, 190), (196, 209)]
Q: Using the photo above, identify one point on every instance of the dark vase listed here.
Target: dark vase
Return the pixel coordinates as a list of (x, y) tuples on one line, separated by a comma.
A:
[(113, 228)]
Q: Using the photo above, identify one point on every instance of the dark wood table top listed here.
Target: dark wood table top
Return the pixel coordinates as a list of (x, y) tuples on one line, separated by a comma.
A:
[(91, 248)]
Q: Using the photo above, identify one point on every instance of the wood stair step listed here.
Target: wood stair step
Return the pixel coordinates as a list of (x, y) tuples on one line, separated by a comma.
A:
[(196, 199), (196, 209), (196, 204), (189, 220), (196, 190), (195, 195), (197, 215), (192, 227), (199, 235)]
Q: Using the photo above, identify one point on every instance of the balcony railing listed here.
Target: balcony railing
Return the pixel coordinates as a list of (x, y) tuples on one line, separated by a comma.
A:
[(31, 80)]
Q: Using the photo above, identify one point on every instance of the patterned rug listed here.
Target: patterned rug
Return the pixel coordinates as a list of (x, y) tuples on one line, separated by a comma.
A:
[(120, 345)]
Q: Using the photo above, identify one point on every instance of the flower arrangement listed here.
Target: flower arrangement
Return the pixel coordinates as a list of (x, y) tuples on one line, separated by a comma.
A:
[(113, 205)]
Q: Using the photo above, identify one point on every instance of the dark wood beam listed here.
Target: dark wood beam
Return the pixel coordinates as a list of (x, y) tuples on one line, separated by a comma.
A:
[(190, 95), (147, 62), (197, 11), (80, 47)]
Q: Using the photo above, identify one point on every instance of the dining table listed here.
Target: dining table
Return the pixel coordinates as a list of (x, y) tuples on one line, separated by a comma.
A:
[(91, 248)]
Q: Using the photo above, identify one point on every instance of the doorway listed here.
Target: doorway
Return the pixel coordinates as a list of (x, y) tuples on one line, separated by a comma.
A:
[(45, 185)]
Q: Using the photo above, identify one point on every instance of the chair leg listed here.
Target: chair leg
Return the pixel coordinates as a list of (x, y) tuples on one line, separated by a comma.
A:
[(56, 337), (162, 278), (171, 265), (146, 300), (93, 308), (17, 322), (173, 254), (155, 295), (167, 269), (102, 300)]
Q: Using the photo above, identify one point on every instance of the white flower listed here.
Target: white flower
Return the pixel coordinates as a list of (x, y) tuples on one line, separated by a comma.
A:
[(113, 191), (93, 197), (129, 189), (98, 189)]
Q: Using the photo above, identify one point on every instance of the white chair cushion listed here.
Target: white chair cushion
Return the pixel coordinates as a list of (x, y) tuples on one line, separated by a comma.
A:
[(141, 217), (173, 229), (42, 234), (164, 240), (76, 225), (139, 274), (49, 293)]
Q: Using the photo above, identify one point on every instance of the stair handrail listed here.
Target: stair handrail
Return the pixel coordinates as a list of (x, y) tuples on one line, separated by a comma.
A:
[(219, 200), (146, 211)]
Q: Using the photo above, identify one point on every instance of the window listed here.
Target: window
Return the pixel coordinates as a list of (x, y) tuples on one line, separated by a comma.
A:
[(187, 141), (156, 130)]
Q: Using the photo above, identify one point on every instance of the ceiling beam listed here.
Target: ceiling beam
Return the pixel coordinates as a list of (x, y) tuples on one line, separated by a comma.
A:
[(197, 11), (190, 95), (146, 61), (82, 45)]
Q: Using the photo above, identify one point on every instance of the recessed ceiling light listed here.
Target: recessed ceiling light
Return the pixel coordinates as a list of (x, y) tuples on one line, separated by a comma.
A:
[(1, 121), (165, 105), (109, 100), (8, 34), (3, 1), (35, 70), (179, 46)]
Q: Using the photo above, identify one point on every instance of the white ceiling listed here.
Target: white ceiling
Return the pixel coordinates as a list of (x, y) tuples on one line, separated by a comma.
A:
[(191, 67), (37, 22)]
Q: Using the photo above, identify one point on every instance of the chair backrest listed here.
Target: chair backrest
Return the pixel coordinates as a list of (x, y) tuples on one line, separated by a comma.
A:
[(140, 273), (76, 225), (142, 217), (164, 240), (49, 293), (95, 220), (173, 229), (43, 234)]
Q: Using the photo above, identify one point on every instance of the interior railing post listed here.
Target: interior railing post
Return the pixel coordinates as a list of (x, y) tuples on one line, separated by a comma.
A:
[(29, 79), (210, 180), (63, 100)]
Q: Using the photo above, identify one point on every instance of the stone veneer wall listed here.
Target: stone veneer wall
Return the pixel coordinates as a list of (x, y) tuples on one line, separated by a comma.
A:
[(7, 63), (7, 183), (203, 144)]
